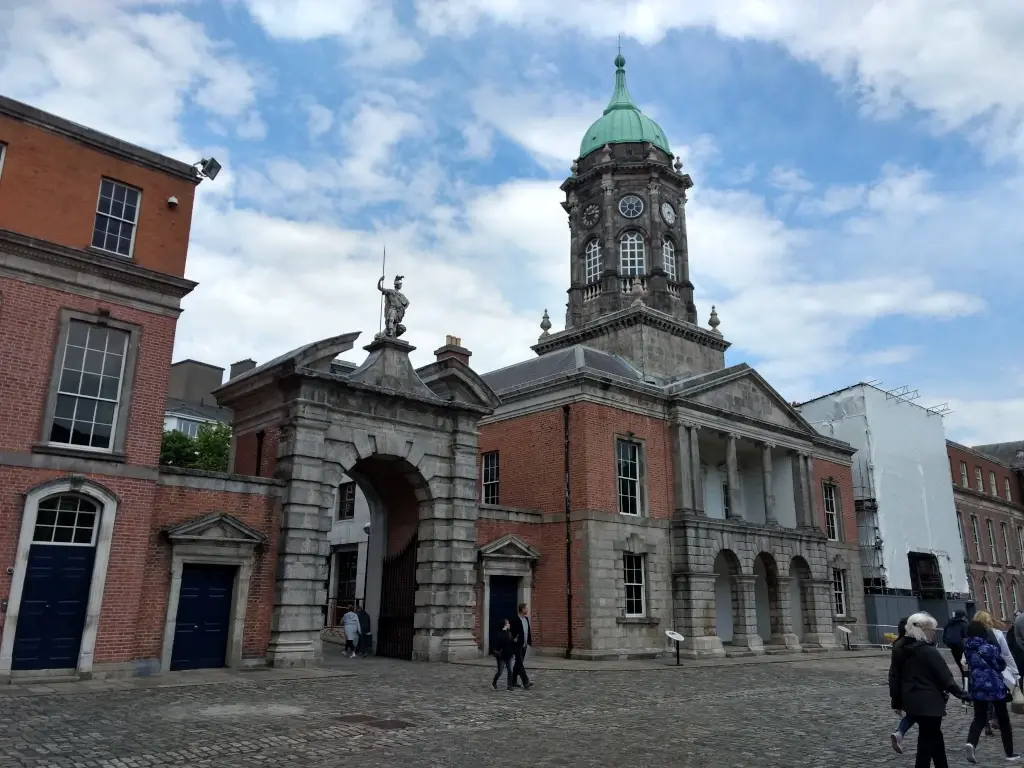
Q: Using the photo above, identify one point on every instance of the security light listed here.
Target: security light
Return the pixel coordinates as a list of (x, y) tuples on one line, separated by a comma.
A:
[(208, 168)]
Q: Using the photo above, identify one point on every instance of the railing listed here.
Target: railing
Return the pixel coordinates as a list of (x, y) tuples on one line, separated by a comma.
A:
[(592, 291), (627, 283), (674, 290)]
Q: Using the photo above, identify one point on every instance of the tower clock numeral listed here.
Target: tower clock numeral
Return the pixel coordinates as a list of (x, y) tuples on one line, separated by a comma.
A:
[(591, 214)]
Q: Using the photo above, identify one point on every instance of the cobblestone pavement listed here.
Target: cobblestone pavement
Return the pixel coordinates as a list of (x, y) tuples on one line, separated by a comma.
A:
[(828, 712)]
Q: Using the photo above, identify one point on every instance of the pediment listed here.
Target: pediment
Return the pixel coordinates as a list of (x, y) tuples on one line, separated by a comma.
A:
[(509, 546), (218, 527), (453, 378), (743, 391)]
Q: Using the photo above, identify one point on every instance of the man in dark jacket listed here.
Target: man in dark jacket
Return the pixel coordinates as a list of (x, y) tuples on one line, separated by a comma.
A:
[(523, 637), (365, 636), (953, 636), (919, 681)]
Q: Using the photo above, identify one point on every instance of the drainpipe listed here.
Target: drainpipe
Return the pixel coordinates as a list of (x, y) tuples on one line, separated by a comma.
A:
[(568, 534)]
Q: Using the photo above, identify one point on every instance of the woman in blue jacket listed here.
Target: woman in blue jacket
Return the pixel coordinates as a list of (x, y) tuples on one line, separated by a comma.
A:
[(986, 663)]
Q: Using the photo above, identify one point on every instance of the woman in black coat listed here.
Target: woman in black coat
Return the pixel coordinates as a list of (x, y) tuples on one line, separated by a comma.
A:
[(504, 650), (919, 684)]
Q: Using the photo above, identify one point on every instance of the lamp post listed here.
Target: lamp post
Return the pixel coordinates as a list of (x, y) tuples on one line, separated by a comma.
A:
[(366, 561)]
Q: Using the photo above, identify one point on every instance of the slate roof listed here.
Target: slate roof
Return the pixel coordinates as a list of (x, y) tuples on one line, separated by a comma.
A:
[(560, 362), (196, 411), (1004, 452)]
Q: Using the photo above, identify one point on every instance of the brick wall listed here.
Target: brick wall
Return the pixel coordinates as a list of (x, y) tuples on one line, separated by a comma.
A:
[(841, 476), (246, 445), (975, 461), (29, 328), (50, 187)]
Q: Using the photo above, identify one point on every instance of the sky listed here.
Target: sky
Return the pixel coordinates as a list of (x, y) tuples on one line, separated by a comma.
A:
[(859, 169)]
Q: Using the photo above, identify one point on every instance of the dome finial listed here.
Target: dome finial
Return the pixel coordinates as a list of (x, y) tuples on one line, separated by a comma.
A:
[(620, 60)]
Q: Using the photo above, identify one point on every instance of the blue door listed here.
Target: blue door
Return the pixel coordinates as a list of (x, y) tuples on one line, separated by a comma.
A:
[(51, 616), (504, 601), (204, 612)]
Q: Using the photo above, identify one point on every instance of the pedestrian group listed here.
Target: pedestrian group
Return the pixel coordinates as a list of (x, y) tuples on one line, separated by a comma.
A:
[(920, 682), (508, 646)]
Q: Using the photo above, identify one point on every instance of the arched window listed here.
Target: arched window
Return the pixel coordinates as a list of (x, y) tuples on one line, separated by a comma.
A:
[(631, 254), (1014, 595), (1000, 599), (592, 264), (66, 519), (668, 255), (986, 599)]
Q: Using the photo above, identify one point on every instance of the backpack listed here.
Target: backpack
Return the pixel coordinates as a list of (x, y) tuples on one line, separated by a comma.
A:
[(953, 634)]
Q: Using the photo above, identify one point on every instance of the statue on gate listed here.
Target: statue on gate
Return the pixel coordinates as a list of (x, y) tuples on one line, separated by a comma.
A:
[(395, 305)]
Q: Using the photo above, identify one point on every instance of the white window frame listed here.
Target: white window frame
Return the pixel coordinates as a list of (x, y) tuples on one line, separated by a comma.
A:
[(993, 550), (3, 156), (829, 493), (184, 421), (1005, 533), (986, 598), (668, 258), (637, 482), (726, 500), (964, 481), (839, 604), (134, 224), (490, 486), (1001, 598), (1020, 544), (992, 485), (963, 539), (96, 511), (634, 564), (1014, 594), (979, 480), (1009, 495), (632, 254), (970, 584), (345, 496), (976, 532), (593, 261)]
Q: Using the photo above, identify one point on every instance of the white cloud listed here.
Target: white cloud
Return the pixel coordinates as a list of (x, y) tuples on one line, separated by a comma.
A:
[(252, 128), (957, 62), (479, 140), (982, 421), (319, 120), (890, 355), (789, 180)]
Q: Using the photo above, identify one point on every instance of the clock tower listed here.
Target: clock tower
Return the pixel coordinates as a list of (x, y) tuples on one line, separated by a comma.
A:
[(630, 292)]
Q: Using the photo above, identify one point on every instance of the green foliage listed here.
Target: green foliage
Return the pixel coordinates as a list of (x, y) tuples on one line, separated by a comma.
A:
[(207, 451)]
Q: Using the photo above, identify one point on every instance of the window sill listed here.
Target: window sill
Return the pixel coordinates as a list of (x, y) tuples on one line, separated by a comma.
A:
[(105, 252), (78, 453), (645, 621)]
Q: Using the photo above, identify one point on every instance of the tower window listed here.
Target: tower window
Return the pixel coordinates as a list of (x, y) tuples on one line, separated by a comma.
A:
[(593, 264), (668, 255), (631, 254)]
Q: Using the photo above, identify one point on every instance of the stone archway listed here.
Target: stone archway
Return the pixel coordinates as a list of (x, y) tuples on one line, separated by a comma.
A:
[(767, 598), (801, 597), (728, 600)]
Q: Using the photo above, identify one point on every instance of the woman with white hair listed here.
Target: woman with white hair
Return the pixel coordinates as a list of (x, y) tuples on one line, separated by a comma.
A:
[(919, 681)]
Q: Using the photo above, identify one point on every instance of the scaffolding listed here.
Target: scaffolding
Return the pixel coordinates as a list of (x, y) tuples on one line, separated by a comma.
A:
[(869, 533)]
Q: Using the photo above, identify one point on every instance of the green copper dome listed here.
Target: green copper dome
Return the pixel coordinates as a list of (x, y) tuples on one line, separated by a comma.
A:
[(622, 120)]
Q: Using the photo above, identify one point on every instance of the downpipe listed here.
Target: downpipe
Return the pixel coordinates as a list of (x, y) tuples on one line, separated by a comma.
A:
[(568, 532)]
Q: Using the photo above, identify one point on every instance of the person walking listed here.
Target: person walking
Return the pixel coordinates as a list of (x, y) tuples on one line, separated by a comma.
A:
[(1013, 641), (953, 637), (996, 636), (503, 648), (907, 721), (350, 625), (919, 681), (524, 639), (988, 689), (365, 631)]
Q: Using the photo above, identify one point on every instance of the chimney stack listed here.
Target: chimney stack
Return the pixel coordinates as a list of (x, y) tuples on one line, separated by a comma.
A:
[(242, 366), (453, 349)]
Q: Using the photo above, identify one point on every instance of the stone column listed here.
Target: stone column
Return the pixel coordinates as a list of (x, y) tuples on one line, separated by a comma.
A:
[(744, 633), (785, 633), (302, 549), (732, 469), (812, 517), (800, 489), (694, 608), (682, 467), (823, 635), (695, 473), (766, 478)]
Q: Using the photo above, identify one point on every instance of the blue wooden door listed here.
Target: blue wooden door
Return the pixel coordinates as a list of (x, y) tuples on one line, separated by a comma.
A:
[(204, 613), (504, 601), (51, 616)]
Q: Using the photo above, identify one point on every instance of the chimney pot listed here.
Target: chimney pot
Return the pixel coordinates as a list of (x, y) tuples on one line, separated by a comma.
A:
[(453, 349)]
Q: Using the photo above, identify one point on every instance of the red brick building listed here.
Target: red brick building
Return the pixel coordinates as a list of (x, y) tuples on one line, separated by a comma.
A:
[(988, 497), (108, 559)]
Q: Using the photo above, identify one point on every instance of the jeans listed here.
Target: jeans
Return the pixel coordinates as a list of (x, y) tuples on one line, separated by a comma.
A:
[(518, 670), (906, 724), (981, 718), (503, 664), (931, 748)]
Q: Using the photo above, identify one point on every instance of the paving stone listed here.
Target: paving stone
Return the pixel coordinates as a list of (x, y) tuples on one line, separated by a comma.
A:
[(820, 711)]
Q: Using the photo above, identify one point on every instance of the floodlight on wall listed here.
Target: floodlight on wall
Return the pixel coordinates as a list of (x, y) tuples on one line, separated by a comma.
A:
[(208, 168)]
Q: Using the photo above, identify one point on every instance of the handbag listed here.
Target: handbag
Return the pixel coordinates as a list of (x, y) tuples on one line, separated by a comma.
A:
[(1017, 703)]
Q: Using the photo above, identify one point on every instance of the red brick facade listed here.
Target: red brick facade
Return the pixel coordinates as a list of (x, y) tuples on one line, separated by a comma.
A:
[(841, 477), (48, 192)]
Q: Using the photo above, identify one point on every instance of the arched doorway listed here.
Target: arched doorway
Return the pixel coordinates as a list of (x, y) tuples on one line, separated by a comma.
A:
[(727, 598), (800, 597), (396, 492), (766, 597)]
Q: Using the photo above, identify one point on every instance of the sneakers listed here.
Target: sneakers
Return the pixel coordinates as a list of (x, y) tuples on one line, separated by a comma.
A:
[(1013, 758), (897, 742), (494, 685), (527, 686), (969, 753)]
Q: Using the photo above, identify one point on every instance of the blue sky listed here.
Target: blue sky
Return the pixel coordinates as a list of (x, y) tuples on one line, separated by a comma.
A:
[(858, 169)]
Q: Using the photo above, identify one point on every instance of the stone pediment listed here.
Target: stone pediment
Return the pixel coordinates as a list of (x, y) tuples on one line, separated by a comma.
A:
[(511, 547), (741, 390), (218, 527), (387, 366), (454, 379)]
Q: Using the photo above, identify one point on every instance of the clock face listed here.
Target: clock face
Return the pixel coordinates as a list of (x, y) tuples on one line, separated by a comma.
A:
[(591, 214), (668, 214), (631, 206)]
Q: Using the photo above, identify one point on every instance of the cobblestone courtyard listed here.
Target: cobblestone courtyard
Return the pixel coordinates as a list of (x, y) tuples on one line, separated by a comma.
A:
[(813, 712)]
